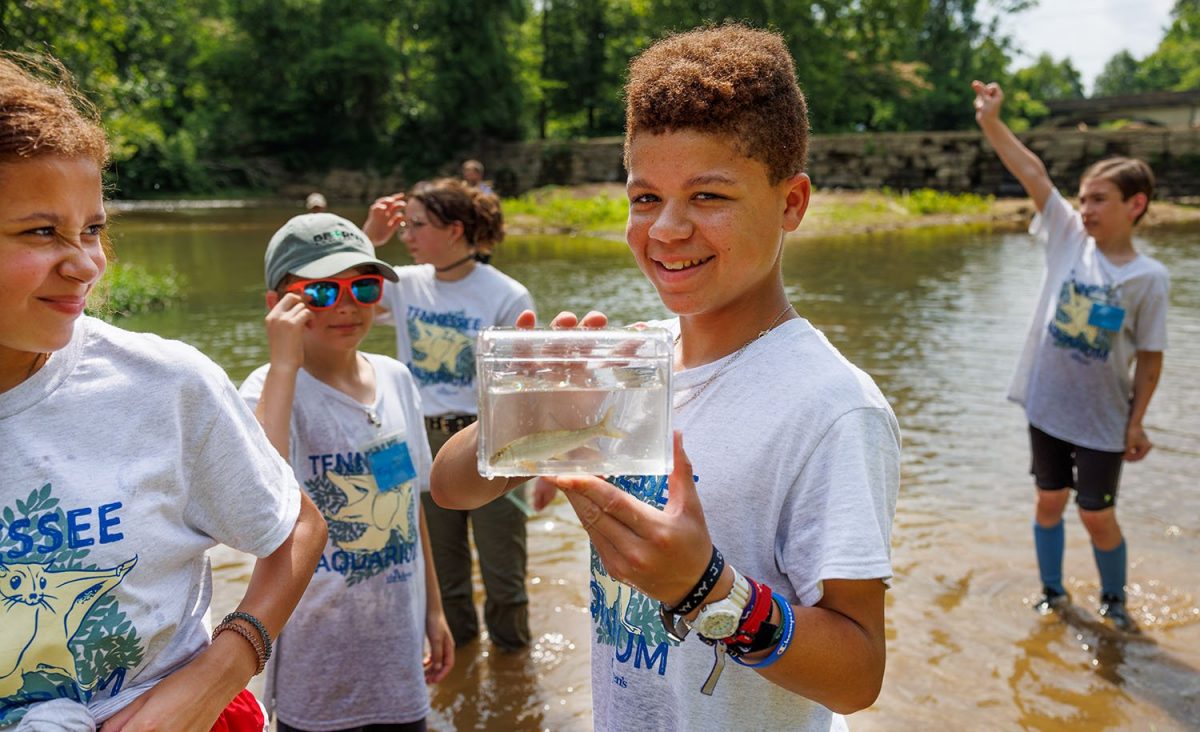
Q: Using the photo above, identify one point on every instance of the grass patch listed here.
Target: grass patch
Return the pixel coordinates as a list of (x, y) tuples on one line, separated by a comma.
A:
[(924, 201), (558, 208), (127, 289)]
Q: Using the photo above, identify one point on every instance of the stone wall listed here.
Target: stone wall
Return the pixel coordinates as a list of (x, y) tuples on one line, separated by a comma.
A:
[(948, 161)]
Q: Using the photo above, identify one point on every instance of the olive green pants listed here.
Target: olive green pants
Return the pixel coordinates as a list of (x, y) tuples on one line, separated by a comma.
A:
[(498, 530)]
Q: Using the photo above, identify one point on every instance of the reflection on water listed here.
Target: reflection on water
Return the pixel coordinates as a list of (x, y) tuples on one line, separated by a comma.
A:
[(937, 320)]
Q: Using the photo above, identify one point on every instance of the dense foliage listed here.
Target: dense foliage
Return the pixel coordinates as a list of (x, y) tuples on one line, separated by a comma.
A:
[(215, 94)]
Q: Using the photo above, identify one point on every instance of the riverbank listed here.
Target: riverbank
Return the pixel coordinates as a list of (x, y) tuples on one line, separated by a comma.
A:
[(599, 210)]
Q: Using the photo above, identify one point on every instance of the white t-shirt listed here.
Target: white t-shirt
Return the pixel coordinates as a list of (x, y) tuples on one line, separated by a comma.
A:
[(436, 324), (797, 462), (125, 458), (1075, 377), (351, 653)]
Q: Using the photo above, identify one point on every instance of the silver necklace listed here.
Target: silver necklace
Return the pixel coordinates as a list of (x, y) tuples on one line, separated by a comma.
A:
[(697, 391)]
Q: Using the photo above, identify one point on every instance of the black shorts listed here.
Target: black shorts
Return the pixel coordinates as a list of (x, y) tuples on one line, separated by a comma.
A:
[(1094, 474)]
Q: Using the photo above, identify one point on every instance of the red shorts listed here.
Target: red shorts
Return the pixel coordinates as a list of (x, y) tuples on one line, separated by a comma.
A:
[(244, 714)]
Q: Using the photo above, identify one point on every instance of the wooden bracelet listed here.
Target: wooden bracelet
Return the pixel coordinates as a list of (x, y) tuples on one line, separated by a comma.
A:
[(249, 636)]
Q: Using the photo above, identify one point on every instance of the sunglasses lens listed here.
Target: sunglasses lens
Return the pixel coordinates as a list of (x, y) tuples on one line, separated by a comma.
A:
[(321, 294), (367, 291)]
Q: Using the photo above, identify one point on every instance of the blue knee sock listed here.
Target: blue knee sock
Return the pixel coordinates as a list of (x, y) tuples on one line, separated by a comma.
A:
[(1050, 544), (1112, 565)]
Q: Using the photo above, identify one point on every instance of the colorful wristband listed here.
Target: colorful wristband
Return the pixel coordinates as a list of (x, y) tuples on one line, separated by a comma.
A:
[(788, 623), (704, 586), (676, 629), (756, 612)]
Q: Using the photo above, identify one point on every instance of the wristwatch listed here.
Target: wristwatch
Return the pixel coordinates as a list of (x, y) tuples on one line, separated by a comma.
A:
[(721, 619)]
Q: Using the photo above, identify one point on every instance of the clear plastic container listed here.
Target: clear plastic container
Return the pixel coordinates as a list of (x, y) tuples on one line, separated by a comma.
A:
[(553, 402)]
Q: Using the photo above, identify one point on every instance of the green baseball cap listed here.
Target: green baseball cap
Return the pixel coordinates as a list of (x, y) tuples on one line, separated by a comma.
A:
[(320, 245)]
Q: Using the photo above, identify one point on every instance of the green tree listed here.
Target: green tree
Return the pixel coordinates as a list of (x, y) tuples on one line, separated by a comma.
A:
[(1175, 64), (582, 68), (1050, 79), (1119, 76), (305, 82), (132, 58), (472, 91)]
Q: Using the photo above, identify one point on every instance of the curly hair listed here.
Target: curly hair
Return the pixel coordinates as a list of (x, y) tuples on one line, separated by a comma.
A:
[(42, 113), (448, 200), (728, 80)]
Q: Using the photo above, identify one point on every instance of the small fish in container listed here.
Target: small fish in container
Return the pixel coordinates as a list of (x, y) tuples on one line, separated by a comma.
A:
[(553, 402)]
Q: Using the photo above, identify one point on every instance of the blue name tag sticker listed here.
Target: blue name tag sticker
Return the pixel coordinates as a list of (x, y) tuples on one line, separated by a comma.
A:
[(1108, 317), (391, 464)]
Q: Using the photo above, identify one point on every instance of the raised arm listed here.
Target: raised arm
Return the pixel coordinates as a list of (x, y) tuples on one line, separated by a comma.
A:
[(1026, 167), (383, 218), (285, 326)]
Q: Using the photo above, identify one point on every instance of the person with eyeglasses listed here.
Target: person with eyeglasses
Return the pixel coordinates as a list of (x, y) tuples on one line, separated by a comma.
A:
[(350, 424), (438, 306)]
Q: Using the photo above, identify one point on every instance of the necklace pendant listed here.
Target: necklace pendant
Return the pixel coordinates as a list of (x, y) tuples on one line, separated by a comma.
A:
[(372, 417)]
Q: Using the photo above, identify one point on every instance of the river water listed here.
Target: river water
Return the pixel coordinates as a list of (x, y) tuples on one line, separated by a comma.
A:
[(937, 320)]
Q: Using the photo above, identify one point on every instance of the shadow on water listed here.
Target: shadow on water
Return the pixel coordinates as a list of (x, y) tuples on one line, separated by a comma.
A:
[(1123, 666)]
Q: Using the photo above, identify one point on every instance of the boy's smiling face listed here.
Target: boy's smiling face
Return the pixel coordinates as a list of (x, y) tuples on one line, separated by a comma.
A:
[(705, 222)]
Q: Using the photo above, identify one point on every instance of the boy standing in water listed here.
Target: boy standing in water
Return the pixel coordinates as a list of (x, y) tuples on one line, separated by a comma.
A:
[(769, 543), (1101, 313), (350, 424)]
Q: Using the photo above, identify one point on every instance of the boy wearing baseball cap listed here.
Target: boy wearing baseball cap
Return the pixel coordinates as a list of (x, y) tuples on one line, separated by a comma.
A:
[(350, 425)]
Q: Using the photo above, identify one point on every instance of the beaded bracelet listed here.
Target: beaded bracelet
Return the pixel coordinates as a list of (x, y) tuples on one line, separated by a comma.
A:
[(788, 623), (249, 636), (262, 629)]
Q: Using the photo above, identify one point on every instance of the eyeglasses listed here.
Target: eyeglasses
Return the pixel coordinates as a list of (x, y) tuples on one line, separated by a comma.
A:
[(322, 294)]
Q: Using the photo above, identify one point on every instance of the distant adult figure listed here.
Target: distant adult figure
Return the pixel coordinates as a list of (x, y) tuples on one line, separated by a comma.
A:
[(472, 173), (316, 203)]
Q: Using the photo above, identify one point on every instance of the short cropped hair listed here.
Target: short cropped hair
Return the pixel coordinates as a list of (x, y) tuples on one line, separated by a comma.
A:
[(1129, 175), (42, 113), (729, 80)]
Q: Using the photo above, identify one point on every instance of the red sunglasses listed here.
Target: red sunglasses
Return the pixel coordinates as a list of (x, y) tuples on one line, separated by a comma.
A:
[(322, 294)]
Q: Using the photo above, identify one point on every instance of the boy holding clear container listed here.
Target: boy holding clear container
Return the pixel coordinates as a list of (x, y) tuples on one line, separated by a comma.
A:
[(350, 424), (769, 541)]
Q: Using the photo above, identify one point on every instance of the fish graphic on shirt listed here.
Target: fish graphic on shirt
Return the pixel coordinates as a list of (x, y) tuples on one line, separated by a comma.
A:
[(613, 595), (379, 511), (1071, 327), (1074, 309), (437, 348)]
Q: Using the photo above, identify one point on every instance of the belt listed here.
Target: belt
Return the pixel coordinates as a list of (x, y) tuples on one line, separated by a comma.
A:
[(450, 423)]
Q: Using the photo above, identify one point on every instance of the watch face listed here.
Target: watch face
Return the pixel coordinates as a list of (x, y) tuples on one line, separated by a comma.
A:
[(718, 624)]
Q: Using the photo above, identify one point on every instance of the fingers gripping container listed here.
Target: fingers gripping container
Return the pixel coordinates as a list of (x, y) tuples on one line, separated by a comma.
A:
[(555, 402)]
